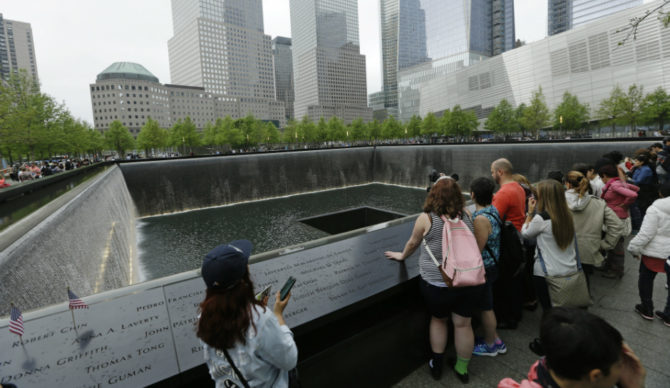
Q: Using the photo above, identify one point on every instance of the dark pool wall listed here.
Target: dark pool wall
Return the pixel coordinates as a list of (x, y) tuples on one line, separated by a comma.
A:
[(410, 165), (175, 185)]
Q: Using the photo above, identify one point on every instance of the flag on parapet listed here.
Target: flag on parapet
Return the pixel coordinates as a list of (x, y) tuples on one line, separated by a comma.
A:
[(75, 302), (16, 321)]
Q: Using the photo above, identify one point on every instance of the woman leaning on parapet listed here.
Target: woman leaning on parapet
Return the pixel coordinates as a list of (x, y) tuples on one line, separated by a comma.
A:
[(245, 343), (444, 199), (591, 216)]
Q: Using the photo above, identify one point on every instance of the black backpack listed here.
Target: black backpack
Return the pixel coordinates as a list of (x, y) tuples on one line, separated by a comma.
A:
[(512, 250)]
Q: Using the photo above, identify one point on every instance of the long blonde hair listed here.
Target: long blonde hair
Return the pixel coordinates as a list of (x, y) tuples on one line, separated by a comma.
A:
[(579, 182), (551, 199)]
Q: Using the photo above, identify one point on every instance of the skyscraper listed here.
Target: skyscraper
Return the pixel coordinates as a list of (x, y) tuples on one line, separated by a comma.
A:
[(282, 57), (328, 68), (220, 45), (17, 50), (419, 31), (564, 15)]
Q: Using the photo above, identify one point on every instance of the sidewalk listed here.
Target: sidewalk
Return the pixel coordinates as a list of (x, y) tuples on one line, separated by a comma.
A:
[(614, 301)]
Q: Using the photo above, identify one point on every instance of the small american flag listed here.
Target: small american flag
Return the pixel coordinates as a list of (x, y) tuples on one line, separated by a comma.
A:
[(75, 302), (16, 321)]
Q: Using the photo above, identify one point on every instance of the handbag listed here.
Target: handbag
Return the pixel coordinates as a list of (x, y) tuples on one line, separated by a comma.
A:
[(567, 290), (293, 378), (462, 264)]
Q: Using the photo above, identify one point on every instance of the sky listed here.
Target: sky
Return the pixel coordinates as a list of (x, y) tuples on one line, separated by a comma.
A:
[(77, 39)]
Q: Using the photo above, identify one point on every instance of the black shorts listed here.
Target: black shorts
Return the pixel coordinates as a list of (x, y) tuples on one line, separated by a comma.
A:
[(491, 277), (442, 301)]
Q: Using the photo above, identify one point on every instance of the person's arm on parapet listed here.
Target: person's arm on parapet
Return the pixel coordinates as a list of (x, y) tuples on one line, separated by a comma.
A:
[(421, 227)]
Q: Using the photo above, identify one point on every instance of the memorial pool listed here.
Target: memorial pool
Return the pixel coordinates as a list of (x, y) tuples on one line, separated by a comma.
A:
[(176, 243)]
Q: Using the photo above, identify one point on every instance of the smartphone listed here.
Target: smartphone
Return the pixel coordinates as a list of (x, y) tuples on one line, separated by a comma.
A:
[(286, 288), (266, 292)]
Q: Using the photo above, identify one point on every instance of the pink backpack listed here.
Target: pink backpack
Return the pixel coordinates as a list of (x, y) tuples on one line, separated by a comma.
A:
[(462, 264)]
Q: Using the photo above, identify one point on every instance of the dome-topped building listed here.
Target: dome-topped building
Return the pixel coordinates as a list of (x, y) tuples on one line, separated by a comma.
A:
[(127, 92), (127, 70)]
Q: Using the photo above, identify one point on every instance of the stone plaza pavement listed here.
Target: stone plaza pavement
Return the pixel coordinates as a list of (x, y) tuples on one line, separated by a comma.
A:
[(614, 301)]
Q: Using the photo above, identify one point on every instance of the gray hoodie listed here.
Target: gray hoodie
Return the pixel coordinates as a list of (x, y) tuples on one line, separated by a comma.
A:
[(591, 216)]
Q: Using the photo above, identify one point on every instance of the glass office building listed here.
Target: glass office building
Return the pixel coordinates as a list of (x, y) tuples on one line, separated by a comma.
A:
[(282, 57), (421, 31), (588, 62), (564, 15), (328, 68)]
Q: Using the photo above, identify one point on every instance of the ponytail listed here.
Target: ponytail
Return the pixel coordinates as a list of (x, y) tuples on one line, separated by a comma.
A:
[(579, 182)]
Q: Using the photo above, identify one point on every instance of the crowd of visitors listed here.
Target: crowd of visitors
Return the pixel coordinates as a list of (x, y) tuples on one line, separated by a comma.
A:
[(538, 245), (22, 172)]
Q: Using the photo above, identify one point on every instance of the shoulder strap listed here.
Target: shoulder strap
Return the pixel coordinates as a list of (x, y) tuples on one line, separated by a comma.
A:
[(488, 249), (430, 253), (539, 256), (237, 371)]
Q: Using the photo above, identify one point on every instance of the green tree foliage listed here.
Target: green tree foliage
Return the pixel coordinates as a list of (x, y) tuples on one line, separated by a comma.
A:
[(570, 114), (358, 129), (272, 135), (374, 130), (443, 123), (224, 129), (210, 134), (611, 109), (152, 137), (656, 108), (461, 123), (290, 135), (518, 118), (430, 125), (184, 135), (336, 129), (414, 126), (317, 133), (502, 119), (118, 138), (536, 115), (392, 129), (631, 107)]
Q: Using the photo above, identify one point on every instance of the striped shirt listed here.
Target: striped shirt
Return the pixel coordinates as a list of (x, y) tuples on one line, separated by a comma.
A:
[(427, 268)]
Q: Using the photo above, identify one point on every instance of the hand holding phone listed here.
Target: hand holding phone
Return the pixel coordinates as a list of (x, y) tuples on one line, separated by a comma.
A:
[(286, 288)]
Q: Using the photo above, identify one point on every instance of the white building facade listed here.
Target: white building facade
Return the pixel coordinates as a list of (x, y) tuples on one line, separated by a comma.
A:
[(17, 49), (587, 61), (328, 68), (220, 45)]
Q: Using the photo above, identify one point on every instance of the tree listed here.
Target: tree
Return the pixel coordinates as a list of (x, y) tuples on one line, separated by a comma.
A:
[(290, 134), (184, 134), (444, 122), (152, 137), (656, 108), (336, 129), (96, 142), (611, 109), (271, 133), (631, 107), (392, 129), (223, 130), (414, 126), (318, 133), (570, 114), (536, 115), (462, 123), (210, 135), (358, 129), (374, 130), (502, 119), (119, 138), (518, 119), (430, 125)]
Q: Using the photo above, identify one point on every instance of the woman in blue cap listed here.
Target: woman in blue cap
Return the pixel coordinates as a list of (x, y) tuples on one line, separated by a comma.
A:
[(245, 343)]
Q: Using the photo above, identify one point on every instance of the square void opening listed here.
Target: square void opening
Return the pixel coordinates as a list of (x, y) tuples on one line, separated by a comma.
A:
[(351, 219)]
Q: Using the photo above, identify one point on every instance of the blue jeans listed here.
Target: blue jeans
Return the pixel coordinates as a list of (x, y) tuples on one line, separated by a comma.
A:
[(645, 285)]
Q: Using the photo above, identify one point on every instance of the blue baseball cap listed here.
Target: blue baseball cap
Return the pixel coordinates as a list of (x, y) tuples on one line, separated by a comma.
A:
[(226, 264)]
